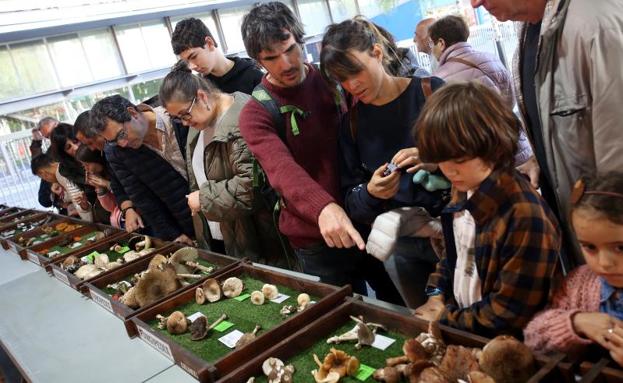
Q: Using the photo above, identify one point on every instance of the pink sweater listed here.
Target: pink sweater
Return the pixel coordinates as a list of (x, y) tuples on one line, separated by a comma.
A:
[(551, 329)]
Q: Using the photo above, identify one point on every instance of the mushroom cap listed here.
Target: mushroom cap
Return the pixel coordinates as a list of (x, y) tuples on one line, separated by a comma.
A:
[(101, 260), (200, 296), (352, 366), (257, 298), (130, 256), (303, 299), (232, 287), (211, 289), (506, 359), (70, 261), (100, 235), (156, 261), (154, 285), (182, 255), (414, 350), (199, 328), (387, 375), (365, 336), (129, 298), (479, 377), (84, 271), (270, 291), (177, 323), (271, 364), (134, 240)]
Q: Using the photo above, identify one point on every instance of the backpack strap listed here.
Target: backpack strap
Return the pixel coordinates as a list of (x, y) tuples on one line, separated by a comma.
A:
[(263, 96), (427, 88)]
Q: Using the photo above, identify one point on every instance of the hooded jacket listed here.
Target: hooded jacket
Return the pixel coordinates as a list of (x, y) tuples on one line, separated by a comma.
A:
[(242, 77)]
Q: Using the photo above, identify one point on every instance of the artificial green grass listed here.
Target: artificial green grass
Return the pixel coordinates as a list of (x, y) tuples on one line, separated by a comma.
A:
[(66, 249), (304, 361), (244, 315)]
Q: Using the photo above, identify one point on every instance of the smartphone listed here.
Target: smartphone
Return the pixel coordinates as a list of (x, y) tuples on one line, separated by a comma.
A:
[(391, 167)]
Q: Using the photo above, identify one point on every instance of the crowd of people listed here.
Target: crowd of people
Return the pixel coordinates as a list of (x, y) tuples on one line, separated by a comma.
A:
[(367, 170)]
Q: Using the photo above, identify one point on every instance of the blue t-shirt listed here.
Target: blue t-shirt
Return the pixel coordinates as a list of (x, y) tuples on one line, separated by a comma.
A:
[(611, 300)]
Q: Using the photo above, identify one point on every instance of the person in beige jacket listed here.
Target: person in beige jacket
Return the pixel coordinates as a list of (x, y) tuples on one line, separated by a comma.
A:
[(569, 83), (220, 168)]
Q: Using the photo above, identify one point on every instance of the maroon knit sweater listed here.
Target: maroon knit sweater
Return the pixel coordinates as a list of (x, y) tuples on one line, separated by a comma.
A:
[(305, 172)]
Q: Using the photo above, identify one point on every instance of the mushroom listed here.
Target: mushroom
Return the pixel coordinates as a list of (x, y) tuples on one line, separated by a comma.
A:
[(433, 343), (331, 377), (458, 362), (101, 260), (99, 235), (270, 291), (155, 285), (272, 368), (363, 333), (129, 298), (479, 377), (433, 375), (336, 361), (139, 242), (287, 310), (177, 323), (130, 256), (87, 271), (247, 337), (232, 287), (303, 301), (257, 298), (200, 296), (506, 359), (387, 374), (211, 289), (157, 262), (71, 263), (121, 286), (199, 328), (181, 256)]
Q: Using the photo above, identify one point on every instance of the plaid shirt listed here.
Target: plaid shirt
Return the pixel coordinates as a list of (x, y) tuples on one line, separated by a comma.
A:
[(517, 250)]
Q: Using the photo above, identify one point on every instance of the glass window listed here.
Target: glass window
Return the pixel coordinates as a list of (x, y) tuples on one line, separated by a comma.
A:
[(86, 102), (146, 89), (207, 19), (158, 42), (371, 8), (314, 15), (342, 9), (69, 59), (34, 67), (9, 81), (57, 111), (231, 20), (133, 48), (102, 54)]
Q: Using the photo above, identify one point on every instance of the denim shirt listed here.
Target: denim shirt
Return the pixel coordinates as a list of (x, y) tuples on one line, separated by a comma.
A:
[(609, 302)]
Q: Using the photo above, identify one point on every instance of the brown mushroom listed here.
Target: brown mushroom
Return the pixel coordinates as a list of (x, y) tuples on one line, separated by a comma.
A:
[(431, 375), (70, 261), (199, 328), (506, 359), (181, 256), (387, 374), (458, 362), (200, 296), (257, 298), (129, 298), (157, 262), (479, 377), (177, 323), (211, 289), (247, 337), (232, 287), (414, 351), (155, 285)]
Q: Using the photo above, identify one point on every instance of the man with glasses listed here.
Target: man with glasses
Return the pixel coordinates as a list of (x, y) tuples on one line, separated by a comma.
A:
[(145, 150)]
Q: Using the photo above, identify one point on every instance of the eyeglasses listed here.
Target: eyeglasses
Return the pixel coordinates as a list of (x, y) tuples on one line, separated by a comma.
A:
[(579, 191), (122, 134), (187, 115)]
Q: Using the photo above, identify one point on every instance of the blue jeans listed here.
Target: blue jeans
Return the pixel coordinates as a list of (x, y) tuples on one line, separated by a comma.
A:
[(340, 267)]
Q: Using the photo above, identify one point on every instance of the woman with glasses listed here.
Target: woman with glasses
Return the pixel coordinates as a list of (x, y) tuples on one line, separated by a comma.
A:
[(220, 167)]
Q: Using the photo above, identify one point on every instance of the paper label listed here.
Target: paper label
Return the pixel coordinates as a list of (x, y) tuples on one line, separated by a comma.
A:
[(101, 300), (196, 315), (53, 254), (231, 339), (34, 259), (381, 342), (155, 342), (61, 276), (364, 372), (242, 297), (223, 326), (189, 370), (280, 298), (75, 244)]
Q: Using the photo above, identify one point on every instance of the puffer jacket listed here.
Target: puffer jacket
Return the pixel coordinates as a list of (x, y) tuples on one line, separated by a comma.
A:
[(579, 88), (491, 72), (227, 197)]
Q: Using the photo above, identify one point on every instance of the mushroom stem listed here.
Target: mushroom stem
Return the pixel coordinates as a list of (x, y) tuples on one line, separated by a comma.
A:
[(217, 322), (256, 329), (189, 276), (391, 362), (198, 266), (162, 321)]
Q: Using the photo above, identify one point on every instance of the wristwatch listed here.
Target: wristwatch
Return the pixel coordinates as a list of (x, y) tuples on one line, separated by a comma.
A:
[(433, 291)]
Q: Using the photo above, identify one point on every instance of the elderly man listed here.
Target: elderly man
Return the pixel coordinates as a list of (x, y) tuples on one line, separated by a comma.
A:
[(421, 38), (569, 84)]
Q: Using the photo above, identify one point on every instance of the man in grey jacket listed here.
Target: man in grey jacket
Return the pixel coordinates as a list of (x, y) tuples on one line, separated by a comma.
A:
[(569, 86)]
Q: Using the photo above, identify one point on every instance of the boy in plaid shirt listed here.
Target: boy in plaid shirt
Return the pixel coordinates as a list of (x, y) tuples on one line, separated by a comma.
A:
[(501, 239)]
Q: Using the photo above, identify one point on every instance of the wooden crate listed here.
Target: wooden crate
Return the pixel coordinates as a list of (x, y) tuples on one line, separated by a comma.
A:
[(18, 247), (330, 322), (96, 287), (9, 211), (15, 217), (35, 253), (577, 369), (36, 219), (205, 371), (102, 246)]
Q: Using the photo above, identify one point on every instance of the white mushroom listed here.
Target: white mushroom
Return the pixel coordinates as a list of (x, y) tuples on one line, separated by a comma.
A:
[(270, 291), (129, 298), (85, 270), (232, 287), (273, 369), (181, 256), (257, 298), (130, 256), (303, 301), (200, 296), (101, 260), (212, 290)]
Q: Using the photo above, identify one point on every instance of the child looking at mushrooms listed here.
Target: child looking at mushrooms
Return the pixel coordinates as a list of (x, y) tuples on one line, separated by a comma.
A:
[(588, 307), (501, 239)]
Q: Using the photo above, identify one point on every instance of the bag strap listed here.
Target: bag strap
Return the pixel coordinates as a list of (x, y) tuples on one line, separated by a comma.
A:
[(427, 88), (469, 64), (263, 96)]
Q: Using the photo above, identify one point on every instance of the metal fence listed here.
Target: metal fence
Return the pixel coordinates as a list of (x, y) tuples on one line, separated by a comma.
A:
[(18, 186)]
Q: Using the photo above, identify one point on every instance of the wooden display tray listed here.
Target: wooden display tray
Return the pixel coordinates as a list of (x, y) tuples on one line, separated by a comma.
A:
[(205, 371), (326, 325), (95, 288), (4, 241), (603, 371), (8, 220), (102, 246), (9, 211), (56, 219), (32, 253)]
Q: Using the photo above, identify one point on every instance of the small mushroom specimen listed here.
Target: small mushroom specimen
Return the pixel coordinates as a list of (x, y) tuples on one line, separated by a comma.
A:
[(129, 298), (303, 301), (139, 242), (387, 375), (413, 352), (157, 262), (336, 361), (257, 298), (200, 296), (71, 264), (506, 359), (270, 291), (177, 323), (130, 256), (287, 310), (276, 372), (232, 287), (199, 328), (101, 260), (433, 343), (185, 261), (479, 377), (363, 333), (211, 289), (88, 271), (458, 362), (247, 337), (154, 285)]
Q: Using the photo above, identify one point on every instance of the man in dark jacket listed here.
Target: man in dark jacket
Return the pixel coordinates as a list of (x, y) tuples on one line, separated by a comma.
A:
[(44, 130), (144, 150), (193, 43)]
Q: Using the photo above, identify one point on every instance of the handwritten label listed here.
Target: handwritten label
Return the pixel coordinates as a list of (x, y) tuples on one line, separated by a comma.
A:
[(53, 254), (101, 300), (364, 372), (223, 326), (155, 342), (242, 297), (75, 244), (231, 339), (34, 259), (381, 342), (195, 316), (280, 298), (61, 276)]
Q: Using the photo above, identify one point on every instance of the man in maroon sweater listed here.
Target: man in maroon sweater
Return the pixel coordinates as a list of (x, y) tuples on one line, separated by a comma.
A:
[(304, 169)]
